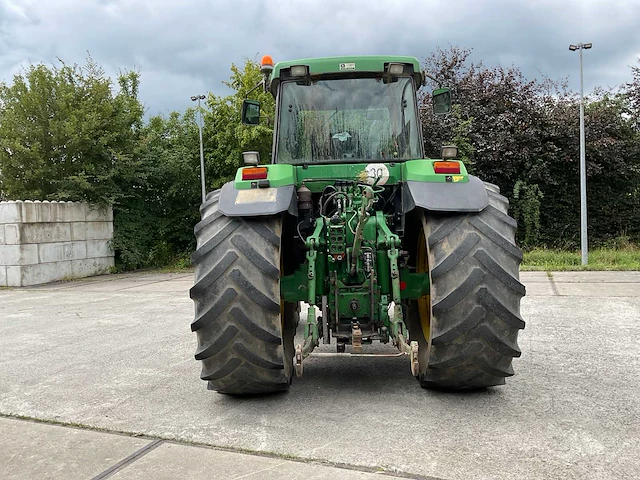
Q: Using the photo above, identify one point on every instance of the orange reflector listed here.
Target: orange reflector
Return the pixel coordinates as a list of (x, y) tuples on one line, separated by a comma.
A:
[(446, 167), (266, 60), (254, 173)]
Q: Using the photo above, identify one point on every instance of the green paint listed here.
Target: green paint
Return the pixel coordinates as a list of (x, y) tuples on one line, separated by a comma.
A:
[(317, 177), (321, 272), (345, 65), (294, 287), (384, 275), (386, 238), (363, 63), (361, 295), (315, 239), (281, 174), (416, 284), (311, 331)]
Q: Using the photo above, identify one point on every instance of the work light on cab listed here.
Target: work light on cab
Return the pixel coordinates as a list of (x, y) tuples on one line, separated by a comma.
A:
[(449, 151), (396, 68), (299, 71), (251, 158)]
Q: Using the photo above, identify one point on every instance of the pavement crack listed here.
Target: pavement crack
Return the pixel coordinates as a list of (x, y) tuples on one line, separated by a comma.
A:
[(141, 452)]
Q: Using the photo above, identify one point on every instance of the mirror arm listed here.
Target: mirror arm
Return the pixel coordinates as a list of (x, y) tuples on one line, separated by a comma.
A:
[(428, 75), (254, 88)]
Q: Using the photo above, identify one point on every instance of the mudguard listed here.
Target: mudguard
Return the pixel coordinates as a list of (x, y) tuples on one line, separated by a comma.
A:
[(465, 197), (254, 202)]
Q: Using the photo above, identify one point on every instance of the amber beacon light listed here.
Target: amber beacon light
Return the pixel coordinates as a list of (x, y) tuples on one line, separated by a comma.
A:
[(266, 64)]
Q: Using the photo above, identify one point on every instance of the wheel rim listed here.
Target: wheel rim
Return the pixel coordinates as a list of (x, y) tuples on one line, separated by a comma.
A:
[(424, 302)]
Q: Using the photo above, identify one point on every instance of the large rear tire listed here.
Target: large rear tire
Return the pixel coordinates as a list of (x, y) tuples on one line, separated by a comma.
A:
[(468, 327), (245, 333)]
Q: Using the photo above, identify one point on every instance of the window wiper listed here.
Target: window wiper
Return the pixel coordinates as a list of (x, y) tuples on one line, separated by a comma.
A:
[(332, 115)]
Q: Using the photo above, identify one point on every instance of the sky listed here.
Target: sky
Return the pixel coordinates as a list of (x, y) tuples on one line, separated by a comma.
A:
[(183, 48)]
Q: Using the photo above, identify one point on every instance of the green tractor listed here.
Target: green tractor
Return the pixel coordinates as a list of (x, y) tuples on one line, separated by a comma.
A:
[(382, 243)]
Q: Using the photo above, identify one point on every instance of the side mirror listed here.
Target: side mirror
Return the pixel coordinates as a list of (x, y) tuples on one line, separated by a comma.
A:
[(441, 101), (250, 112)]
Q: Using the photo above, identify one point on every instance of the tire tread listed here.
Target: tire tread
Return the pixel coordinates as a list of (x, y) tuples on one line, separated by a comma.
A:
[(475, 297), (236, 295)]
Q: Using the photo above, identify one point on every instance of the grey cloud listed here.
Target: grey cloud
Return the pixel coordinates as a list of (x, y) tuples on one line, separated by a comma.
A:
[(186, 47)]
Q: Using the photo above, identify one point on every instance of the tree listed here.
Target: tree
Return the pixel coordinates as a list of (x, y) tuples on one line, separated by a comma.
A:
[(519, 132), (154, 224), (64, 134), (226, 137)]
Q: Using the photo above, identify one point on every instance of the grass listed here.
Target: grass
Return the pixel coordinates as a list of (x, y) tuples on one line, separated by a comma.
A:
[(623, 258), (176, 269), (627, 258), (180, 263), (173, 268)]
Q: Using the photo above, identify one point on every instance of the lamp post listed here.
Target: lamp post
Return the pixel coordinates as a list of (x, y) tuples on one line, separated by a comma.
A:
[(204, 190), (583, 163)]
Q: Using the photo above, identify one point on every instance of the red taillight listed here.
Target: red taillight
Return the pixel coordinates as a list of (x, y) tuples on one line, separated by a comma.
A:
[(254, 173), (446, 167)]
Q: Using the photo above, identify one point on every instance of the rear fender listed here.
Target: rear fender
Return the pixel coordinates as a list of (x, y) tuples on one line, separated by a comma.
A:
[(254, 202), (460, 197)]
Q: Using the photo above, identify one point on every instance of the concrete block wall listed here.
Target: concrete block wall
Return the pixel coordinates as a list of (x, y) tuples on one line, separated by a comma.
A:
[(42, 242)]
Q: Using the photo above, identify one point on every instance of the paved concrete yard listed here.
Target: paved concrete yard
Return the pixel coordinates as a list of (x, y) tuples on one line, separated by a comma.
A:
[(30, 450), (116, 352)]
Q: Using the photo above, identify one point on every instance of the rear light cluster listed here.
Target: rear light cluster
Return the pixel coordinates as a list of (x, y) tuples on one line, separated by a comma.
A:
[(254, 173), (446, 167)]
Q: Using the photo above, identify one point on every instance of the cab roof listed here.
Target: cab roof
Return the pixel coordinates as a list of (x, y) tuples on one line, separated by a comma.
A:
[(344, 64)]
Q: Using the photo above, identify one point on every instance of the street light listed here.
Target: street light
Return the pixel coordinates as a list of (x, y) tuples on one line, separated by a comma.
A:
[(583, 163), (204, 190)]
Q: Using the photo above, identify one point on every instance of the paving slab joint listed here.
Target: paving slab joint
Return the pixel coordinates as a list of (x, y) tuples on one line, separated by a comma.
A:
[(129, 460), (554, 287)]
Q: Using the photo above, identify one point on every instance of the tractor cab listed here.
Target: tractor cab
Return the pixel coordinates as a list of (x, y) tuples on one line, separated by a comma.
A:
[(333, 111)]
